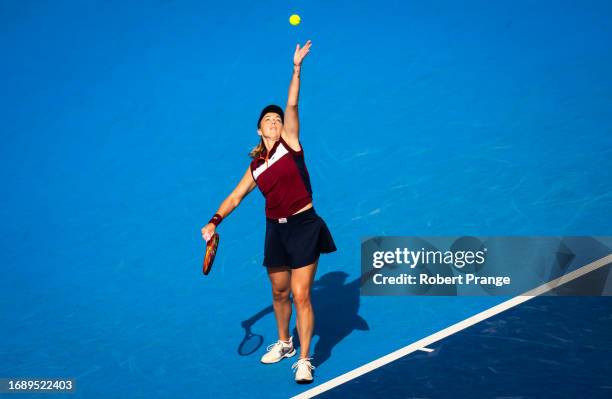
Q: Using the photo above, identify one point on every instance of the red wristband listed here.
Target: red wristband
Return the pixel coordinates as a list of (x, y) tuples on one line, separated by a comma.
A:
[(216, 219)]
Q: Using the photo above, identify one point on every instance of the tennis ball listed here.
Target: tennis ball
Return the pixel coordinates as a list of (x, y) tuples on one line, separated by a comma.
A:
[(294, 20)]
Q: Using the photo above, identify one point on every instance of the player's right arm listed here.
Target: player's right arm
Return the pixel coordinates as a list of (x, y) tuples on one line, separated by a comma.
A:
[(244, 187)]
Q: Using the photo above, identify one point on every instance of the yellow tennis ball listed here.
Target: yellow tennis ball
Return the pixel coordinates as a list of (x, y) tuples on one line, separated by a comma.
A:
[(294, 20)]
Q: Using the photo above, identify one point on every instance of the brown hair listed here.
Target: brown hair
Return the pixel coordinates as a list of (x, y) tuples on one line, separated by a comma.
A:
[(257, 150)]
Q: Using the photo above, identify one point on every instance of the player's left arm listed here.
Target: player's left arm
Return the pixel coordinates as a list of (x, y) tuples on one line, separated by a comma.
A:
[(291, 124)]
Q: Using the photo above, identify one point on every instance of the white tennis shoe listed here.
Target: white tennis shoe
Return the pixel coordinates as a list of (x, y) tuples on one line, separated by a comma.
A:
[(303, 370), (278, 351)]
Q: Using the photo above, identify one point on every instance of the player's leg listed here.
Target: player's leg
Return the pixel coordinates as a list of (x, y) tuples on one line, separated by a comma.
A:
[(280, 278), (301, 283)]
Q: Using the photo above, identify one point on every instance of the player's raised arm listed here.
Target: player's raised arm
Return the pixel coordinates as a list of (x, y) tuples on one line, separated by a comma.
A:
[(291, 123), (244, 187)]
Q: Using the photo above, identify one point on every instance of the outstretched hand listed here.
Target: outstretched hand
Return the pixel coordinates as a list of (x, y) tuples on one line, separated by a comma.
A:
[(300, 53)]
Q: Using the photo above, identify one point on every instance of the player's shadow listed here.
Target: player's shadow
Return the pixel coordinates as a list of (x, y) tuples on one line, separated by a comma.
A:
[(336, 307)]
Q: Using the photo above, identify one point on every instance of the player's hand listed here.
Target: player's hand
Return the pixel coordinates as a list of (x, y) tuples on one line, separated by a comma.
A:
[(208, 231), (300, 53)]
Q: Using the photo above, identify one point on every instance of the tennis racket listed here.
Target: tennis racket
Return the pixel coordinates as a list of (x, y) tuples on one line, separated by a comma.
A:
[(211, 251)]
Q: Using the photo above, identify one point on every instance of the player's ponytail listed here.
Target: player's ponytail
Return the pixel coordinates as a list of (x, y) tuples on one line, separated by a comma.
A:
[(258, 150)]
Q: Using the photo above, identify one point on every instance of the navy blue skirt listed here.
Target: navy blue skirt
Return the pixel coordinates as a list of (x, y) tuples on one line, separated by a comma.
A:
[(297, 240)]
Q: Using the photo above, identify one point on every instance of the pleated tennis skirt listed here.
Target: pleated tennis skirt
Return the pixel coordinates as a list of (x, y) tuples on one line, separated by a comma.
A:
[(297, 241)]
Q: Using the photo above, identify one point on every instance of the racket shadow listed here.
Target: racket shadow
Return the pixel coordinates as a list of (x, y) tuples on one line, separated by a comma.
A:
[(252, 341)]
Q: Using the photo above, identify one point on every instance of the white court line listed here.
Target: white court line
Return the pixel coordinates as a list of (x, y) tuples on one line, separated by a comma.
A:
[(423, 343)]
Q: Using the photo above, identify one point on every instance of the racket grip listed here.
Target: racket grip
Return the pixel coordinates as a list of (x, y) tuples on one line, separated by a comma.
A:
[(207, 236)]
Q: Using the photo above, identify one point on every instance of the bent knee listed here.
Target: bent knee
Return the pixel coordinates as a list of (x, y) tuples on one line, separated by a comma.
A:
[(280, 295)]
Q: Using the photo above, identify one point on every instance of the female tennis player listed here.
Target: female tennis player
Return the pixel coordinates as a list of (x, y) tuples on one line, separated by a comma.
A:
[(295, 234)]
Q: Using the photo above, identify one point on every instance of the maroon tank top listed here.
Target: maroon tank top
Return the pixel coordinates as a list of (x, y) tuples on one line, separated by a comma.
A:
[(283, 181)]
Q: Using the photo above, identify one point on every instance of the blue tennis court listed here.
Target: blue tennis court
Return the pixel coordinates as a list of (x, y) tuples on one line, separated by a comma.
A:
[(125, 124), (549, 347)]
